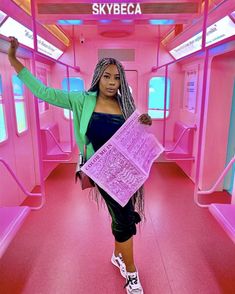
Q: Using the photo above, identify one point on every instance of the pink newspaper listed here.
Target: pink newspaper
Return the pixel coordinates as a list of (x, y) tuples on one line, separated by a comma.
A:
[(122, 164)]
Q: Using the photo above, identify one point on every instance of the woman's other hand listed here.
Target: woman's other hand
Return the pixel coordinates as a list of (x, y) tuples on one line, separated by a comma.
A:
[(14, 44), (145, 119)]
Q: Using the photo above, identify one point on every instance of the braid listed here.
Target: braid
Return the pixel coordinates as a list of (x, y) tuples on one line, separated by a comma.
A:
[(127, 105)]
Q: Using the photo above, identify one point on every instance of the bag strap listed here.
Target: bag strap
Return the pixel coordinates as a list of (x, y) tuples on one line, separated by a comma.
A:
[(82, 157)]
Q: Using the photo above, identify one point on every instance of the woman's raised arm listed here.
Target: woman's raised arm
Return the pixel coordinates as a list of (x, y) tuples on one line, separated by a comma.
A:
[(53, 96), (18, 66)]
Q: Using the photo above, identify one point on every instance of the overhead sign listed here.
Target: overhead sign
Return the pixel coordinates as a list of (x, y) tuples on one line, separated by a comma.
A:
[(220, 30), (116, 8), (25, 37)]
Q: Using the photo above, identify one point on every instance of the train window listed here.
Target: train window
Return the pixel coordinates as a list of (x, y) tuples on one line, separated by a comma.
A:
[(19, 100), (75, 84), (3, 131), (156, 97)]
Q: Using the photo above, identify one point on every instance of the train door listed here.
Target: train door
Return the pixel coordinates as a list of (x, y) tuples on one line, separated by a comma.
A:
[(228, 183), (17, 147), (218, 119)]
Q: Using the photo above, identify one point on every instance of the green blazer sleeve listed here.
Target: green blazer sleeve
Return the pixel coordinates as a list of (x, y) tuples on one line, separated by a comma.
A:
[(53, 96), (81, 103)]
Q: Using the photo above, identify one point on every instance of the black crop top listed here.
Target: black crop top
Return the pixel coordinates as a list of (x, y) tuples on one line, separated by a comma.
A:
[(102, 126)]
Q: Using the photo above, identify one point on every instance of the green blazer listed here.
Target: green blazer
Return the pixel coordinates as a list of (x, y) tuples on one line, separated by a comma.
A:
[(81, 103)]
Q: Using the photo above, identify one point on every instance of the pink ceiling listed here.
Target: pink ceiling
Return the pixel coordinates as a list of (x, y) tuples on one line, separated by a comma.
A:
[(182, 11)]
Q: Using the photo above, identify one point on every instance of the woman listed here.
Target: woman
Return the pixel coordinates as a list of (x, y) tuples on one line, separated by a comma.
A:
[(106, 106)]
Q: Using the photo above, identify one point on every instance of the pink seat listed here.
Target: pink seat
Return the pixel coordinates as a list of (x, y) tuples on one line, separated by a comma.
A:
[(11, 219), (225, 215), (51, 145), (184, 148)]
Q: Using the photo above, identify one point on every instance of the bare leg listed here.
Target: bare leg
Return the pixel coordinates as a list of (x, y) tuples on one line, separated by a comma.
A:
[(126, 249)]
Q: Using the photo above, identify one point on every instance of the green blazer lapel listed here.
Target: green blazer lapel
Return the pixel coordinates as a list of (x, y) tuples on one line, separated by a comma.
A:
[(87, 110)]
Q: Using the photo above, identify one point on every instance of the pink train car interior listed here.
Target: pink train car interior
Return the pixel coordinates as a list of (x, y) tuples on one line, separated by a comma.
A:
[(179, 61)]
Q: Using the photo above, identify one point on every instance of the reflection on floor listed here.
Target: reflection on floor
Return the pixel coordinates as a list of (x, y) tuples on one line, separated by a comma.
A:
[(65, 248)]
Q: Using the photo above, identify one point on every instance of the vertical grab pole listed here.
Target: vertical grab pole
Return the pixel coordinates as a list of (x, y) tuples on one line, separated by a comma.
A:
[(233, 192), (70, 116), (158, 46), (34, 29), (165, 98), (203, 102), (74, 50), (205, 24)]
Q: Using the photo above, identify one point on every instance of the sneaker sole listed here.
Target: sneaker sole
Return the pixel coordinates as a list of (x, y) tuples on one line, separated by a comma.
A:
[(114, 263), (135, 292)]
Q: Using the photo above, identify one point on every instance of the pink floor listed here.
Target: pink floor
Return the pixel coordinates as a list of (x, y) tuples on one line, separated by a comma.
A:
[(65, 248)]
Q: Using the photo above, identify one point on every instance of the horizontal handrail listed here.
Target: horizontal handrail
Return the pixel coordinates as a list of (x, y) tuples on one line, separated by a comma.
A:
[(191, 158), (180, 138), (223, 174), (17, 180), (55, 140), (58, 160)]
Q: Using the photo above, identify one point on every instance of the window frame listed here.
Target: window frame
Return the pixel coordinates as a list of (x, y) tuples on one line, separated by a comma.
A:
[(19, 134), (170, 90), (4, 113)]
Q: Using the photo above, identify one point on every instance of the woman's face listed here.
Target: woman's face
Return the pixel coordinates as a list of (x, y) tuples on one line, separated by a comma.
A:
[(109, 81)]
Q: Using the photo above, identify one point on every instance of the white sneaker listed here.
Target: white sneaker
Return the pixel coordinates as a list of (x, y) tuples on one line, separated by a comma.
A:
[(133, 285), (119, 262)]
